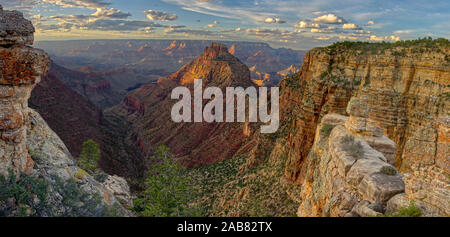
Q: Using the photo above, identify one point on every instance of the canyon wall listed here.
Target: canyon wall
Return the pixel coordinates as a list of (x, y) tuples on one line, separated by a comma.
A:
[(406, 90), (406, 87)]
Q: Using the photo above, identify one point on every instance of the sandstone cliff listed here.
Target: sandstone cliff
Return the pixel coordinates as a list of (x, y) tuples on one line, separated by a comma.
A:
[(348, 170), (405, 85), (38, 175)]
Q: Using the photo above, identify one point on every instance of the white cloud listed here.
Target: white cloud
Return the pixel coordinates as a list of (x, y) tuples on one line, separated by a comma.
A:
[(370, 23), (329, 19), (385, 38), (274, 20), (93, 4), (323, 37), (110, 13), (398, 32), (350, 26), (160, 16), (306, 24)]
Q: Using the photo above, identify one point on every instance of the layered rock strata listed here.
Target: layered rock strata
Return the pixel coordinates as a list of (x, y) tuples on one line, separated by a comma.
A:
[(406, 87), (21, 67), (347, 171)]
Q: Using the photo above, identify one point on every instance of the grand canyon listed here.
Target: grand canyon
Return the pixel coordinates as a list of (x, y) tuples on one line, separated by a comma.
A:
[(364, 127)]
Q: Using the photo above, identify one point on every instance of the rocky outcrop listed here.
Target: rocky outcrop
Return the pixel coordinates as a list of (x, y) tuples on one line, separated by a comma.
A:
[(55, 165), (426, 166), (346, 174), (14, 29), (21, 67), (118, 186)]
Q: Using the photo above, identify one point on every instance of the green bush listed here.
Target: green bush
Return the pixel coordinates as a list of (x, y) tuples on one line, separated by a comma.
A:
[(352, 147), (23, 189), (77, 202), (407, 211), (89, 156), (167, 193), (388, 170), (326, 129), (293, 80)]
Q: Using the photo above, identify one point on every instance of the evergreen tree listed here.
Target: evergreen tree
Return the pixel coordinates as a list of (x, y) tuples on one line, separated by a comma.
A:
[(89, 156), (167, 193)]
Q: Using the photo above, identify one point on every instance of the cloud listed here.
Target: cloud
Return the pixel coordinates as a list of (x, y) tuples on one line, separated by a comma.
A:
[(329, 19), (119, 25), (329, 29), (306, 24), (189, 32), (160, 16), (101, 13), (323, 38), (92, 4), (351, 26), (110, 13), (74, 19), (398, 32), (219, 9), (265, 31), (274, 20), (370, 23), (385, 38), (211, 25)]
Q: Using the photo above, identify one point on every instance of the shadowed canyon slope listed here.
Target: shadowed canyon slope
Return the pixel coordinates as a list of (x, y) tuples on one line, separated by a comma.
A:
[(75, 119), (148, 109)]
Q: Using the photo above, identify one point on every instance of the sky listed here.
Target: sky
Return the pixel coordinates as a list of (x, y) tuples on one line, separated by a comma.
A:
[(296, 24)]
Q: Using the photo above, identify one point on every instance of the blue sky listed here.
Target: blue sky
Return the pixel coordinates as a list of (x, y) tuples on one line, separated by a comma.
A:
[(299, 24)]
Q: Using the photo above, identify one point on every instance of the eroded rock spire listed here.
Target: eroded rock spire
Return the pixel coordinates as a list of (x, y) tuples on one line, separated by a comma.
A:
[(21, 68)]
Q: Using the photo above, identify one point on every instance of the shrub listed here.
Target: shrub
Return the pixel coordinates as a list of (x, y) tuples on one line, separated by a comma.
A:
[(80, 174), (352, 147), (326, 129), (78, 203), (388, 170), (407, 211), (167, 193), (89, 156), (100, 176), (293, 80), (23, 190)]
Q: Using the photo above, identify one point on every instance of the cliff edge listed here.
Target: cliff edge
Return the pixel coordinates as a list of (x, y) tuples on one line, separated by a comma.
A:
[(38, 176)]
